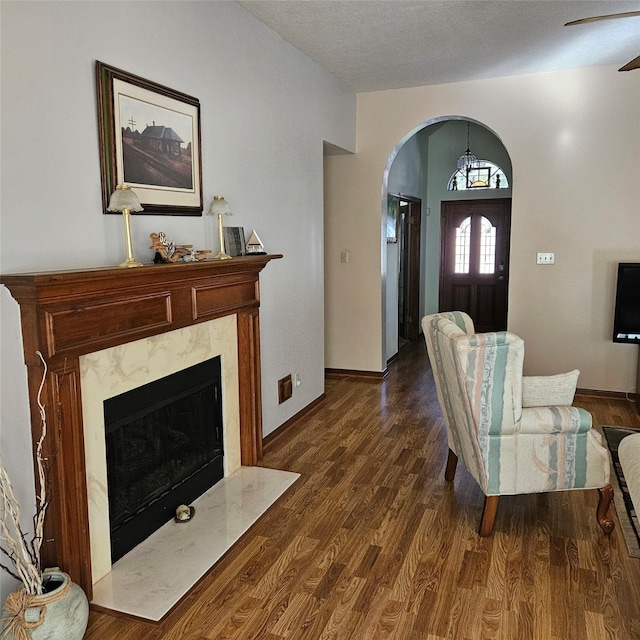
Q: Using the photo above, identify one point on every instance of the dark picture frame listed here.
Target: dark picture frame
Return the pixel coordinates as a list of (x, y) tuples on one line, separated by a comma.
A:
[(149, 139)]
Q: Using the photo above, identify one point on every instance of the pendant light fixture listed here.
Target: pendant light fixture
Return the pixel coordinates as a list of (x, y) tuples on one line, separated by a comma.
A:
[(467, 160)]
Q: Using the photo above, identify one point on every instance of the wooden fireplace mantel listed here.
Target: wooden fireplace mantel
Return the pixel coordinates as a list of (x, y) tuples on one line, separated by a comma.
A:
[(66, 314)]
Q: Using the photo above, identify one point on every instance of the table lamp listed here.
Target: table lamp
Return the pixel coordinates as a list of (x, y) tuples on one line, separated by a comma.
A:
[(124, 199), (220, 207)]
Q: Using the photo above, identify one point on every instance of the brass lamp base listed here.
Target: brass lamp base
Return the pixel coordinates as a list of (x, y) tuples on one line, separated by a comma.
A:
[(222, 255), (130, 262)]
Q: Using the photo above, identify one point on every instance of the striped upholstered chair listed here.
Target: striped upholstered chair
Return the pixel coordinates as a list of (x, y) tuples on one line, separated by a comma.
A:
[(515, 434)]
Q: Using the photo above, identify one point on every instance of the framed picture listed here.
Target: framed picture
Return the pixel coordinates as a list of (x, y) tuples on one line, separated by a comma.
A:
[(393, 207), (234, 243), (150, 140)]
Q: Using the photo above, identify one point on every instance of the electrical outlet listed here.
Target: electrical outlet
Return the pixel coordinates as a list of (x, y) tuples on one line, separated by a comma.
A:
[(297, 379), (344, 256), (546, 258), (285, 389)]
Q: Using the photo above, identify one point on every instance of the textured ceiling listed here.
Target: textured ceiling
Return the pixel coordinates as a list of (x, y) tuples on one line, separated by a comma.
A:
[(389, 44)]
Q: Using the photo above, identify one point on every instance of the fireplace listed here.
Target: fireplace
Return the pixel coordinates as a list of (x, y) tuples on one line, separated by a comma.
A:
[(164, 448), (70, 316)]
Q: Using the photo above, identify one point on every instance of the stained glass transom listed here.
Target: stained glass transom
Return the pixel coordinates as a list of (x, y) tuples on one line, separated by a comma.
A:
[(483, 174)]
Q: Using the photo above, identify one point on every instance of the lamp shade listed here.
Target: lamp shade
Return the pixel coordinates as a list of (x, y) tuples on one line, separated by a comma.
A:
[(124, 198), (219, 206)]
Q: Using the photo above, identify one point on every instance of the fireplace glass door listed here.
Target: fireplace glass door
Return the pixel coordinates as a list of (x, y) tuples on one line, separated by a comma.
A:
[(164, 448)]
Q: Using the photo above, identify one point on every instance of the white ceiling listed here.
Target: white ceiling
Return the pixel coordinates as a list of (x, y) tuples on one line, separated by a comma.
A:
[(389, 44)]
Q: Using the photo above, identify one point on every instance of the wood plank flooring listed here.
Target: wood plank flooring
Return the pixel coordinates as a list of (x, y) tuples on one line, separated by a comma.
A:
[(373, 544)]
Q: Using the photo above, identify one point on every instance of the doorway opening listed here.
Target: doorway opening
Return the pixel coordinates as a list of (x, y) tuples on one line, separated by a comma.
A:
[(421, 164), (408, 235)]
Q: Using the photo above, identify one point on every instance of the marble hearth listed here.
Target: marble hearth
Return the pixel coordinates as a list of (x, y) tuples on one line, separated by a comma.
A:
[(153, 577)]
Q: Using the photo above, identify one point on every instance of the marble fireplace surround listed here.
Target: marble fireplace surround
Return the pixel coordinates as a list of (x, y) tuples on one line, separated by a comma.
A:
[(68, 315), (113, 371)]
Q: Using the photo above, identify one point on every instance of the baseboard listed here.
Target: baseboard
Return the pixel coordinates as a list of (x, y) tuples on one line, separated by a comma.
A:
[(372, 376), (613, 395), (285, 426)]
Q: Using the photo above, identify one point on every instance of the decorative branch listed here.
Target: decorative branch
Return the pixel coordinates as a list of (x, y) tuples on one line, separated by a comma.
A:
[(24, 555)]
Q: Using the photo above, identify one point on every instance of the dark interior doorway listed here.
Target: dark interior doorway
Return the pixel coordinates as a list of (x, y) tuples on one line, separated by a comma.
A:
[(409, 225)]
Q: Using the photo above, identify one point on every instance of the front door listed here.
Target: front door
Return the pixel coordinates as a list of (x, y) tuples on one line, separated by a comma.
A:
[(474, 269)]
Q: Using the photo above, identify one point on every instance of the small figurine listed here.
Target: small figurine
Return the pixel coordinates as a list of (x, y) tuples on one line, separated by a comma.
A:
[(254, 245), (167, 251)]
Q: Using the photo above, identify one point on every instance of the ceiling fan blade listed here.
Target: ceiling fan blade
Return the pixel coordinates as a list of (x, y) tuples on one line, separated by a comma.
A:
[(634, 64), (610, 16)]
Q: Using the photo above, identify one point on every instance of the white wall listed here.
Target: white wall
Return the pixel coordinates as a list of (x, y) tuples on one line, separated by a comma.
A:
[(265, 111), (574, 141)]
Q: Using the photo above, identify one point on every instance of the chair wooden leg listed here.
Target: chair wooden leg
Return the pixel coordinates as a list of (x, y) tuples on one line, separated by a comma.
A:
[(606, 496), (488, 515), (450, 471)]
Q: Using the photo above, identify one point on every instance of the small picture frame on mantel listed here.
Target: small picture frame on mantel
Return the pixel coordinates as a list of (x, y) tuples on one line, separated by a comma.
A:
[(234, 242)]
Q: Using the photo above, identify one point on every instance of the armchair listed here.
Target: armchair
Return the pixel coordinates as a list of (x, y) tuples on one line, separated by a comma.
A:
[(514, 434)]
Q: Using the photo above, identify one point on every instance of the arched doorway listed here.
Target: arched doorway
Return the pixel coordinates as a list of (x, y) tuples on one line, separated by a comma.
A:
[(421, 166)]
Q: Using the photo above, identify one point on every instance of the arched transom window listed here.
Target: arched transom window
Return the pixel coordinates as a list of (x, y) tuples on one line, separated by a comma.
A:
[(484, 174)]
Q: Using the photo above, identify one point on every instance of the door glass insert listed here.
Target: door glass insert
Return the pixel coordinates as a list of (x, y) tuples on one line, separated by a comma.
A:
[(487, 247), (463, 246)]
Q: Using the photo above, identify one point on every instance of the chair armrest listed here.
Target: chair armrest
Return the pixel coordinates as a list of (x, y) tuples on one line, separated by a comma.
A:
[(545, 391), (554, 420)]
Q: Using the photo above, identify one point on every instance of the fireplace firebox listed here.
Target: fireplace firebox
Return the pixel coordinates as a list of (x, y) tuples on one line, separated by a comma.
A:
[(164, 447)]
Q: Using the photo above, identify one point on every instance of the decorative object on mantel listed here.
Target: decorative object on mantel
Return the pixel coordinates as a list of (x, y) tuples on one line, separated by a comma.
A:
[(167, 251), (48, 606), (254, 245), (184, 513), (220, 207), (234, 241), (124, 199)]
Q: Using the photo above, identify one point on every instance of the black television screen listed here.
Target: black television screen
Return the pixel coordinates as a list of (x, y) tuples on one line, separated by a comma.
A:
[(626, 320)]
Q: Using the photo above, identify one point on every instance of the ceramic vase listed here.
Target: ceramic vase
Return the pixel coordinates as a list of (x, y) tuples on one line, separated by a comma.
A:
[(60, 614)]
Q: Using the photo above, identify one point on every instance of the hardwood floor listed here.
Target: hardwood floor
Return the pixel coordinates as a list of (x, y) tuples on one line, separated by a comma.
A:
[(372, 543)]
